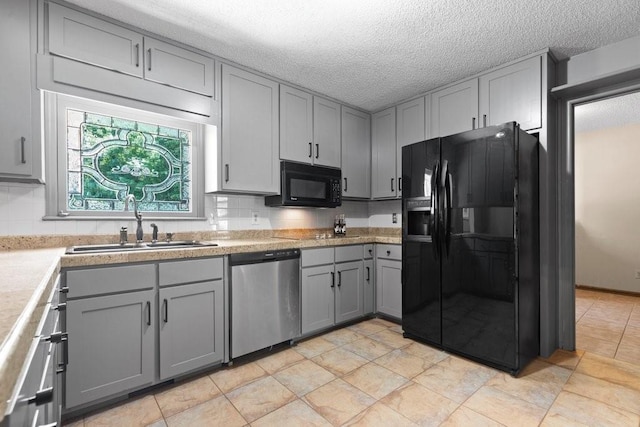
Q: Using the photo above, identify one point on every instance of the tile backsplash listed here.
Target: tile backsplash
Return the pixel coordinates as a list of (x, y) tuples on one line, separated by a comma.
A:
[(22, 207)]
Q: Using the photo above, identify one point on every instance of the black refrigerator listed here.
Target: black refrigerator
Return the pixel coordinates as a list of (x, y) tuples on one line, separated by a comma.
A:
[(470, 245)]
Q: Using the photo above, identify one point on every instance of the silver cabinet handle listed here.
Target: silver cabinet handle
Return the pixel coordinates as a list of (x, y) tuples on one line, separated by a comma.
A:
[(317, 150), (149, 52), (392, 185), (148, 313), (23, 159), (310, 150), (484, 120), (137, 54), (41, 397), (64, 290), (166, 311), (339, 278), (368, 274), (399, 184), (226, 172), (473, 122), (345, 184)]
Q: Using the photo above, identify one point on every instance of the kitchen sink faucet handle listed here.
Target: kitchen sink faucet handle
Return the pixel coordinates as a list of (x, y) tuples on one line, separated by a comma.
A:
[(154, 233)]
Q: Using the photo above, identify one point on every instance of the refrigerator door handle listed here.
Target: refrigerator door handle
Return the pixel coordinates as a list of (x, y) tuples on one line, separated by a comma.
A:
[(435, 241), (446, 178)]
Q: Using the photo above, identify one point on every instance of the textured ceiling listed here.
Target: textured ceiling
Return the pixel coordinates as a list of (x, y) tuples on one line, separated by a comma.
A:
[(373, 53), (608, 113)]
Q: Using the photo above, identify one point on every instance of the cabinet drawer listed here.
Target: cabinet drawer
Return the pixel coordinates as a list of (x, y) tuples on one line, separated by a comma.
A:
[(107, 280), (348, 253), (197, 270), (368, 251), (389, 251), (318, 256)]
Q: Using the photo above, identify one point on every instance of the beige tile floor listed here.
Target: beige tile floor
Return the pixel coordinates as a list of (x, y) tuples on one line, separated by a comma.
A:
[(369, 375)]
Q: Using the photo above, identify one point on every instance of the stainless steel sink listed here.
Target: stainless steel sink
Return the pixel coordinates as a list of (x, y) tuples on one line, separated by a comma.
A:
[(117, 247)]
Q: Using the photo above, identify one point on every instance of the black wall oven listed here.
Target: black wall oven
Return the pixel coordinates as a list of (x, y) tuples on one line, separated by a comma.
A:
[(307, 185)]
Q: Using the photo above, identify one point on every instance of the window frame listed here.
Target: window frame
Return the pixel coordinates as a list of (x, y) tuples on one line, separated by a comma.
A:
[(55, 133)]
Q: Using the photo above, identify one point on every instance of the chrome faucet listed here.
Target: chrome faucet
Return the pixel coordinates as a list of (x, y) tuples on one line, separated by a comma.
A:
[(132, 198)]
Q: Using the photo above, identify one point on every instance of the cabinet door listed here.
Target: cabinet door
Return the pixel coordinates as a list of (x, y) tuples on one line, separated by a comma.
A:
[(389, 287), (318, 308), (326, 132), (455, 109), (369, 290), (383, 154), (177, 67), (513, 93), (111, 345), (191, 327), (410, 129), (84, 38), (15, 87), (349, 288), (296, 126), (356, 153), (249, 132)]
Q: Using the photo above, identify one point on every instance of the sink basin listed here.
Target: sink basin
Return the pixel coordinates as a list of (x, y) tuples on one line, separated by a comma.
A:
[(116, 247)]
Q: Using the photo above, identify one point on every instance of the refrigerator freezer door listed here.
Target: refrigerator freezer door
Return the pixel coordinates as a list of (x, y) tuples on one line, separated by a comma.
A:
[(478, 262)]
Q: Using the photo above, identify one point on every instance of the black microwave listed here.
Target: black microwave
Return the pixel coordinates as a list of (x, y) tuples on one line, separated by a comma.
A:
[(307, 185)]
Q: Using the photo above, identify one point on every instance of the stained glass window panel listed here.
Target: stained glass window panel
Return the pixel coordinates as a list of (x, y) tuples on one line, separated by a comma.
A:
[(110, 157)]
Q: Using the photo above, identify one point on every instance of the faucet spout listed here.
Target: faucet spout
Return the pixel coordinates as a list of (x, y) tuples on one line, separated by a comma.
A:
[(127, 200)]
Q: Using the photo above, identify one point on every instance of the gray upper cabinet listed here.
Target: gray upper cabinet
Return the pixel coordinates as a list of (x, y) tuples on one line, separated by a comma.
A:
[(250, 132), (191, 319), (309, 128), (84, 38), (454, 109), (177, 67), (513, 93), (356, 154), (74, 35), (384, 182), (410, 129), (326, 132), (20, 144), (296, 125)]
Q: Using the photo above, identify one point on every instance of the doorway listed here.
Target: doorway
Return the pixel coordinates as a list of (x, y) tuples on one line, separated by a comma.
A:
[(570, 309), (607, 246)]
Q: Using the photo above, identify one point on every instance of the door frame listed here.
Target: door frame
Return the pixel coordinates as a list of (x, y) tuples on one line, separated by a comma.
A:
[(566, 201)]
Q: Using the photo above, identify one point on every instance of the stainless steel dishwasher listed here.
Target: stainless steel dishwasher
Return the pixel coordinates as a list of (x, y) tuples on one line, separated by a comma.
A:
[(265, 299)]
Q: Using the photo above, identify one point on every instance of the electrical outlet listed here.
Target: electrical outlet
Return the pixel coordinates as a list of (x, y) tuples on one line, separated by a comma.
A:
[(394, 218), (255, 218), (637, 274)]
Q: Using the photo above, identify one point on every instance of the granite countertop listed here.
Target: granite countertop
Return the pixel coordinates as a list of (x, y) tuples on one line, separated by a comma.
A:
[(30, 275)]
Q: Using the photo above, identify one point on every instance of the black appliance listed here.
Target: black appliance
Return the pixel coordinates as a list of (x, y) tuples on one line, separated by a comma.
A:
[(307, 185), (470, 245)]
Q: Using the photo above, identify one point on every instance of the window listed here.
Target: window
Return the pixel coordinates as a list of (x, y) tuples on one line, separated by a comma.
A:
[(106, 152)]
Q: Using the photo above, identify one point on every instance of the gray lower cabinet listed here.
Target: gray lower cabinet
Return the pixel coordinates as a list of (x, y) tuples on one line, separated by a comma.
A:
[(332, 288), (111, 345), (132, 326), (317, 291), (349, 286), (369, 290), (191, 327), (389, 280)]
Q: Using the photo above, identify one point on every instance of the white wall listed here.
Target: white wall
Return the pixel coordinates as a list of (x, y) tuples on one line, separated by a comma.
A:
[(607, 208), (22, 207)]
